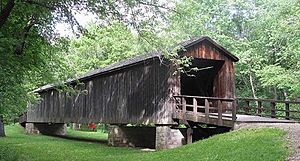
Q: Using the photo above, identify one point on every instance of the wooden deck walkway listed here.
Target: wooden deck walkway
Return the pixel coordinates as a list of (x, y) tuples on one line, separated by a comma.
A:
[(258, 119)]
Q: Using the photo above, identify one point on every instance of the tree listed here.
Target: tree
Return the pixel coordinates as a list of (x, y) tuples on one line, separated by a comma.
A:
[(101, 46), (30, 53)]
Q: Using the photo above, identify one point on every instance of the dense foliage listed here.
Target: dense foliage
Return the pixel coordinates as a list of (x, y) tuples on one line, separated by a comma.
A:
[(101, 46), (263, 34)]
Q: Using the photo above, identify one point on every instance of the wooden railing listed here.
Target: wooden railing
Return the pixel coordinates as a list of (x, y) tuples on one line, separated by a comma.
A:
[(219, 109), (269, 108)]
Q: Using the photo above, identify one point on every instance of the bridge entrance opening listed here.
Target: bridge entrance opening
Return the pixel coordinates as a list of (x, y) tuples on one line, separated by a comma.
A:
[(201, 82)]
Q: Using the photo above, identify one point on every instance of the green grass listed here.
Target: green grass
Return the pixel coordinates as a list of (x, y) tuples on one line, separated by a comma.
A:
[(86, 134), (243, 145)]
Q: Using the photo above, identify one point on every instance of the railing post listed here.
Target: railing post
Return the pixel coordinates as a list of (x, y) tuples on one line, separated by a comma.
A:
[(206, 110), (247, 107), (189, 133), (234, 109), (287, 111), (273, 108), (259, 108), (195, 106), (220, 109), (183, 105)]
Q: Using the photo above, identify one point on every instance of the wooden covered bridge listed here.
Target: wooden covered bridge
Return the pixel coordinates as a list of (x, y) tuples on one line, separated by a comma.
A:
[(145, 91)]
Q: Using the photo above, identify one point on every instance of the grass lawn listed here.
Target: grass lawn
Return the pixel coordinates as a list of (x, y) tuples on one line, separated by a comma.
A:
[(87, 135), (243, 145)]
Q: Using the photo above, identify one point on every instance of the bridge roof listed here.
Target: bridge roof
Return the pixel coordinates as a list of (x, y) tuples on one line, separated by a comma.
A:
[(135, 60)]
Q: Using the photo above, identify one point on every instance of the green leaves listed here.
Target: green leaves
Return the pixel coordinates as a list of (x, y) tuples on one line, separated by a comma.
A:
[(101, 46), (263, 34), (277, 76)]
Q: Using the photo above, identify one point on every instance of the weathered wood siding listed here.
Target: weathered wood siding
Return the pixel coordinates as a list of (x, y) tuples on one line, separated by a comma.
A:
[(139, 94), (223, 85)]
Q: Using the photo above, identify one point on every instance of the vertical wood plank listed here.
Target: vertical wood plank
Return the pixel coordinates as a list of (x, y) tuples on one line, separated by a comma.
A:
[(220, 109), (183, 105), (101, 99), (184, 109), (195, 106), (259, 108), (50, 112), (206, 110), (104, 98), (63, 106), (234, 109)]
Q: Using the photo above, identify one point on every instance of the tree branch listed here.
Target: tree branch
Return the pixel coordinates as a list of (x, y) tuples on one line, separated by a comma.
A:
[(68, 13), (23, 35), (6, 12)]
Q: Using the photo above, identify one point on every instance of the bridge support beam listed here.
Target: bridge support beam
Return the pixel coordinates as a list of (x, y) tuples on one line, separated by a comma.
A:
[(46, 128)]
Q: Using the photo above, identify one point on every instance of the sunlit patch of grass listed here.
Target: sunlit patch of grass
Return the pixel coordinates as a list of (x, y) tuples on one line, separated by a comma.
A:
[(87, 134)]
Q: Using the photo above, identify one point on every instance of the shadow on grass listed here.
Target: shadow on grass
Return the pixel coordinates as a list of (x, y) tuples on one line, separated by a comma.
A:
[(91, 140)]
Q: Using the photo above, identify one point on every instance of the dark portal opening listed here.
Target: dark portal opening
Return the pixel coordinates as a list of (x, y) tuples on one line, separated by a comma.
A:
[(200, 83)]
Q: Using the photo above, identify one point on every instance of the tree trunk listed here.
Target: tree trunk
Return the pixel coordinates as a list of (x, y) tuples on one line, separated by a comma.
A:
[(2, 132), (285, 95), (6, 12), (252, 86), (253, 92), (23, 35)]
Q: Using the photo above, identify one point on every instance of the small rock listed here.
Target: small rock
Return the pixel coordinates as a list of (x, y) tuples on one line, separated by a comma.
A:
[(148, 150)]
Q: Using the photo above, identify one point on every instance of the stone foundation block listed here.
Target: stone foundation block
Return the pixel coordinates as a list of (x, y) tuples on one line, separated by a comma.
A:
[(46, 128), (31, 129), (167, 138), (132, 136)]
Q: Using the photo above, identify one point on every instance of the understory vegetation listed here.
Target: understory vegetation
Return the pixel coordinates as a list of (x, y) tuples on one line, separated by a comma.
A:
[(247, 145)]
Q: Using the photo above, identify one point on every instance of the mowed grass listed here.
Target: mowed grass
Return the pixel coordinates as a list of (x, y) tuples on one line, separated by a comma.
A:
[(243, 145), (87, 135)]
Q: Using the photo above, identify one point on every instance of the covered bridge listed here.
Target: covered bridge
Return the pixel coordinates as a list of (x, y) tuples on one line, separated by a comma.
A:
[(145, 91)]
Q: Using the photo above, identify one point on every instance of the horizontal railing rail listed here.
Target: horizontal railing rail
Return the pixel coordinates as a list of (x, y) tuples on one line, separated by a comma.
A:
[(208, 107), (269, 108)]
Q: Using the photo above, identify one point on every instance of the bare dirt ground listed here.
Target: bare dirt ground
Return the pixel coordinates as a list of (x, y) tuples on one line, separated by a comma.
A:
[(293, 135)]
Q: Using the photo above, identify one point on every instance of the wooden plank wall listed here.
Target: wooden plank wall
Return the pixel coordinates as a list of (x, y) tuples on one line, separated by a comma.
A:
[(224, 85), (139, 94)]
